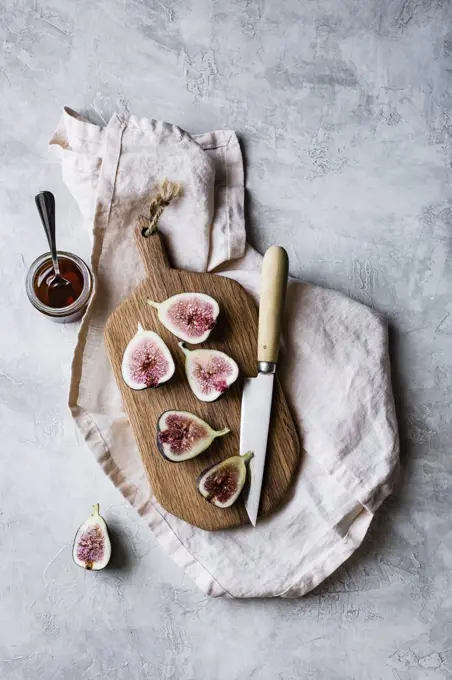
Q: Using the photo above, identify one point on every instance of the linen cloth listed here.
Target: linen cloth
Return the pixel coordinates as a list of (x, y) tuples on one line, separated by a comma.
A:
[(334, 361)]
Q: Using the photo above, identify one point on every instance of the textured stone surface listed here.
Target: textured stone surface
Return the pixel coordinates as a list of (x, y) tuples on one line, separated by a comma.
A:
[(344, 110)]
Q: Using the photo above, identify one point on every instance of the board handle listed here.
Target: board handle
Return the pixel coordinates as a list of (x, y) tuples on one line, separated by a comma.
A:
[(152, 250), (274, 275), (147, 237)]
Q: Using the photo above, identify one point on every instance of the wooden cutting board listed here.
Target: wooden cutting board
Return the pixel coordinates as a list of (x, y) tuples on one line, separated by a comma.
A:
[(174, 484)]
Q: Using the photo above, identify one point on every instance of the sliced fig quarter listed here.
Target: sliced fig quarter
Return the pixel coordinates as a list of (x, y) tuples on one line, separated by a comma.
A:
[(147, 361), (92, 547), (222, 483), (189, 316), (182, 435), (209, 372)]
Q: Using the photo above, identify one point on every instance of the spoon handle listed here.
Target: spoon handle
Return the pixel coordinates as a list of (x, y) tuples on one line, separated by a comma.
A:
[(45, 203)]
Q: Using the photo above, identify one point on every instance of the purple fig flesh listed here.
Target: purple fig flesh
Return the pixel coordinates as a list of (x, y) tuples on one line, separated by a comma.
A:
[(222, 484), (182, 435), (189, 316), (92, 547), (147, 361), (209, 372)]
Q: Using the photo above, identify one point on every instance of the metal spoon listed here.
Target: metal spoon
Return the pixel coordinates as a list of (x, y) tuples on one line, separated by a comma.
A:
[(45, 203)]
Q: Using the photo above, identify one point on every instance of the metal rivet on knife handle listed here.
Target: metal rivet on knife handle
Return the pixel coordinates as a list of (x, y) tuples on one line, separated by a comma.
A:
[(275, 269)]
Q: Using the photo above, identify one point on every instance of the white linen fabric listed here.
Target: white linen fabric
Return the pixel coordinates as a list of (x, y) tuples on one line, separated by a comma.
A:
[(334, 365)]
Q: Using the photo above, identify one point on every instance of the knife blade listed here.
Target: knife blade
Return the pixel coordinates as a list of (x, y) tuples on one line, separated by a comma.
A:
[(258, 392)]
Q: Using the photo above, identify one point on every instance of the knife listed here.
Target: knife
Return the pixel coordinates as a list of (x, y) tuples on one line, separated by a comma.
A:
[(258, 392)]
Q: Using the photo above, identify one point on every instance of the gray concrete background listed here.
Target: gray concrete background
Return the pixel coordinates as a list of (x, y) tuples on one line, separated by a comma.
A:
[(344, 110)]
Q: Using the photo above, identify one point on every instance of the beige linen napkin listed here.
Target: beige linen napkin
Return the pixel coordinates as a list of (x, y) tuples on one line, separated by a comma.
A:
[(334, 367)]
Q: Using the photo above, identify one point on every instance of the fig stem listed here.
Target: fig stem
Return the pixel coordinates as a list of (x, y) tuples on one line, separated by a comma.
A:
[(96, 509), (222, 432), (185, 350), (246, 456), (151, 303)]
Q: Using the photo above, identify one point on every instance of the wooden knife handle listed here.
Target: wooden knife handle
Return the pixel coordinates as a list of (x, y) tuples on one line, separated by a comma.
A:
[(275, 269)]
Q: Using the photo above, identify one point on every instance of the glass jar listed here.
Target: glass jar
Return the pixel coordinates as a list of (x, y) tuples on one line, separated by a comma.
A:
[(77, 308)]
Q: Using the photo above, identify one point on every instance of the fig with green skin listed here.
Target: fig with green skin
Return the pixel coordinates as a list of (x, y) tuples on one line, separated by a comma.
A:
[(209, 372), (182, 435), (147, 361), (189, 316), (222, 484), (92, 547)]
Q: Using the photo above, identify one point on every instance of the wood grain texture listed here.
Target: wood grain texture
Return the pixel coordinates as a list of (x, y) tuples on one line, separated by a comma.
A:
[(174, 484)]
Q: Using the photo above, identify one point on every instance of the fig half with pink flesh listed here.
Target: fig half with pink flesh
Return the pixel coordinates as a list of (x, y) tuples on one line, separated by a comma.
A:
[(92, 547), (222, 484), (182, 435), (209, 372), (189, 316), (147, 361)]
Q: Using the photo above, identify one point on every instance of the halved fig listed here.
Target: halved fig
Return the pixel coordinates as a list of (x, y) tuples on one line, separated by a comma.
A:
[(189, 316), (209, 372), (182, 435), (221, 484), (147, 361), (92, 547)]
